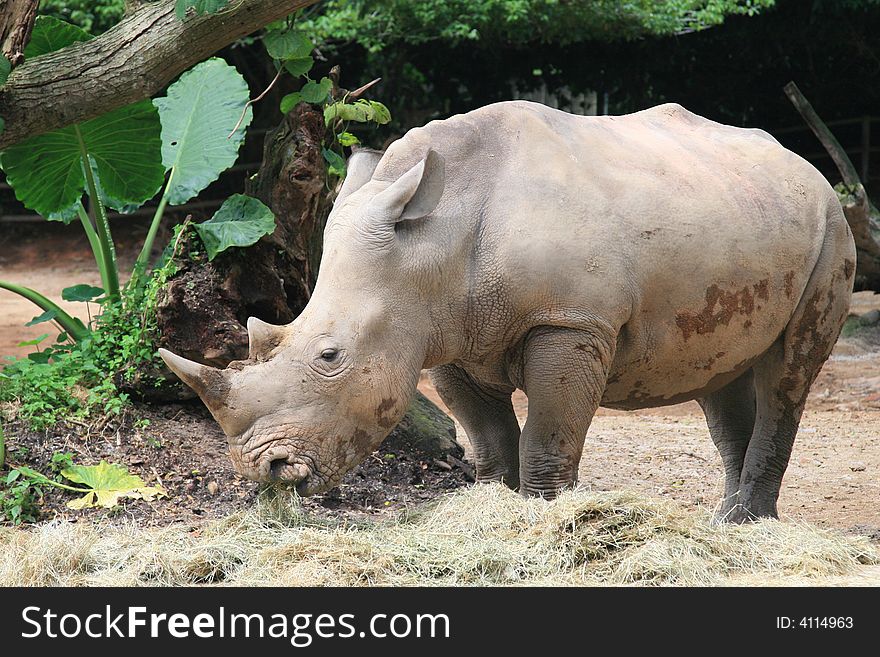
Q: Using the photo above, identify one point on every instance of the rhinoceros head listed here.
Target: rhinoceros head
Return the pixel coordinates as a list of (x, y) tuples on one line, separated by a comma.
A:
[(316, 396)]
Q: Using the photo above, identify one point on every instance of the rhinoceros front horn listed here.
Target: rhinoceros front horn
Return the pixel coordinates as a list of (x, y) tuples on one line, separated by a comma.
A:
[(262, 337), (209, 382)]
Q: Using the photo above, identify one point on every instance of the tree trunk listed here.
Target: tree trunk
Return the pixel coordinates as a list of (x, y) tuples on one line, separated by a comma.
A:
[(134, 60), (16, 22), (861, 215)]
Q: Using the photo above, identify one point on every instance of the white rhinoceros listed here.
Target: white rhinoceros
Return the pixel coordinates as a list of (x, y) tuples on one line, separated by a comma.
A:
[(621, 261)]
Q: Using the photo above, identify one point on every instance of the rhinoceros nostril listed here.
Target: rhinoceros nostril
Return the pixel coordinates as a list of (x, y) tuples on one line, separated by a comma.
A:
[(282, 470)]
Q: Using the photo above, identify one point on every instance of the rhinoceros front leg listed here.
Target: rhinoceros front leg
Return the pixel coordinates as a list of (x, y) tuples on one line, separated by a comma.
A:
[(486, 414), (730, 414), (564, 377)]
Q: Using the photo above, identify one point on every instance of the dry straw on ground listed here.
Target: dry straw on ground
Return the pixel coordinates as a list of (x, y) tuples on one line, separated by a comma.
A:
[(485, 535)]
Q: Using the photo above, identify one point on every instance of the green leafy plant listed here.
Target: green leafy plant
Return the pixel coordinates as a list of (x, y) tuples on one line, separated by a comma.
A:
[(19, 498), (178, 143), (93, 17), (240, 221), (120, 160), (70, 381), (291, 49), (102, 485), (204, 117), (20, 495)]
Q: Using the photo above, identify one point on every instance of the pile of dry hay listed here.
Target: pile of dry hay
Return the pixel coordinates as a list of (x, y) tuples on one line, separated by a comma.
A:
[(483, 535)]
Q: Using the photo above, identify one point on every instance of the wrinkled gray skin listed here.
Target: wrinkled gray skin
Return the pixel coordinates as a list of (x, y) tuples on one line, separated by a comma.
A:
[(627, 262)]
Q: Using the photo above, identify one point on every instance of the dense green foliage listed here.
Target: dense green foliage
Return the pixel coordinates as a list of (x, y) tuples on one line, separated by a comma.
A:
[(379, 24), (291, 51), (733, 73), (65, 381), (439, 57), (93, 17)]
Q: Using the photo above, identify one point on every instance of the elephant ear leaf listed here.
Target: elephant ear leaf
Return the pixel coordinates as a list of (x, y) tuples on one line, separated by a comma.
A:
[(123, 147), (240, 221), (198, 115), (51, 34), (107, 484)]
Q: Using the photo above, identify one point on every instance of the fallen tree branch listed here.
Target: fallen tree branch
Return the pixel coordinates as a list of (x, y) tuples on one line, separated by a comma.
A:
[(862, 216), (130, 62)]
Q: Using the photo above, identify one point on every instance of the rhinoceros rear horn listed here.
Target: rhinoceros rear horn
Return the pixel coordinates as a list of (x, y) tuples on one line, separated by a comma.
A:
[(209, 382), (262, 337)]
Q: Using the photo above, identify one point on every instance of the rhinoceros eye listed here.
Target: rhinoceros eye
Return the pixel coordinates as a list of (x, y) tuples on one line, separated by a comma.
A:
[(330, 361)]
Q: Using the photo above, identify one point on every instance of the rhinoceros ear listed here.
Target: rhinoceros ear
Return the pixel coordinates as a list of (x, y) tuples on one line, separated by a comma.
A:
[(416, 193), (360, 165)]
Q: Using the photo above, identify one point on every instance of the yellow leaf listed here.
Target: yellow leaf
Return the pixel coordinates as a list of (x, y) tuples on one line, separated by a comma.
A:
[(110, 483)]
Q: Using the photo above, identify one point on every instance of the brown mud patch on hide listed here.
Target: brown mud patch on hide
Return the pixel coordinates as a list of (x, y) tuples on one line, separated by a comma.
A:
[(811, 342), (762, 290), (789, 284), (383, 410), (640, 398), (216, 389), (849, 268), (361, 438), (720, 308)]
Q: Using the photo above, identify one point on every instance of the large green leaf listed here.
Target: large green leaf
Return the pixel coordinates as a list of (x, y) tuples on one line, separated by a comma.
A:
[(381, 114), (81, 292), (199, 6), (47, 173), (299, 65), (108, 483), (50, 34), (47, 316), (240, 221), (198, 114), (5, 69), (311, 92), (287, 44)]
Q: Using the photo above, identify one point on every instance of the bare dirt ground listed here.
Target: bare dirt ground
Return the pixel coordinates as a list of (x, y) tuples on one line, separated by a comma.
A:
[(833, 479)]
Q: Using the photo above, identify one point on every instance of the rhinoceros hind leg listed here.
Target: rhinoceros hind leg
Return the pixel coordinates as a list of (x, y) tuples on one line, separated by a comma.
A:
[(730, 414), (486, 413), (564, 376), (784, 374)]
